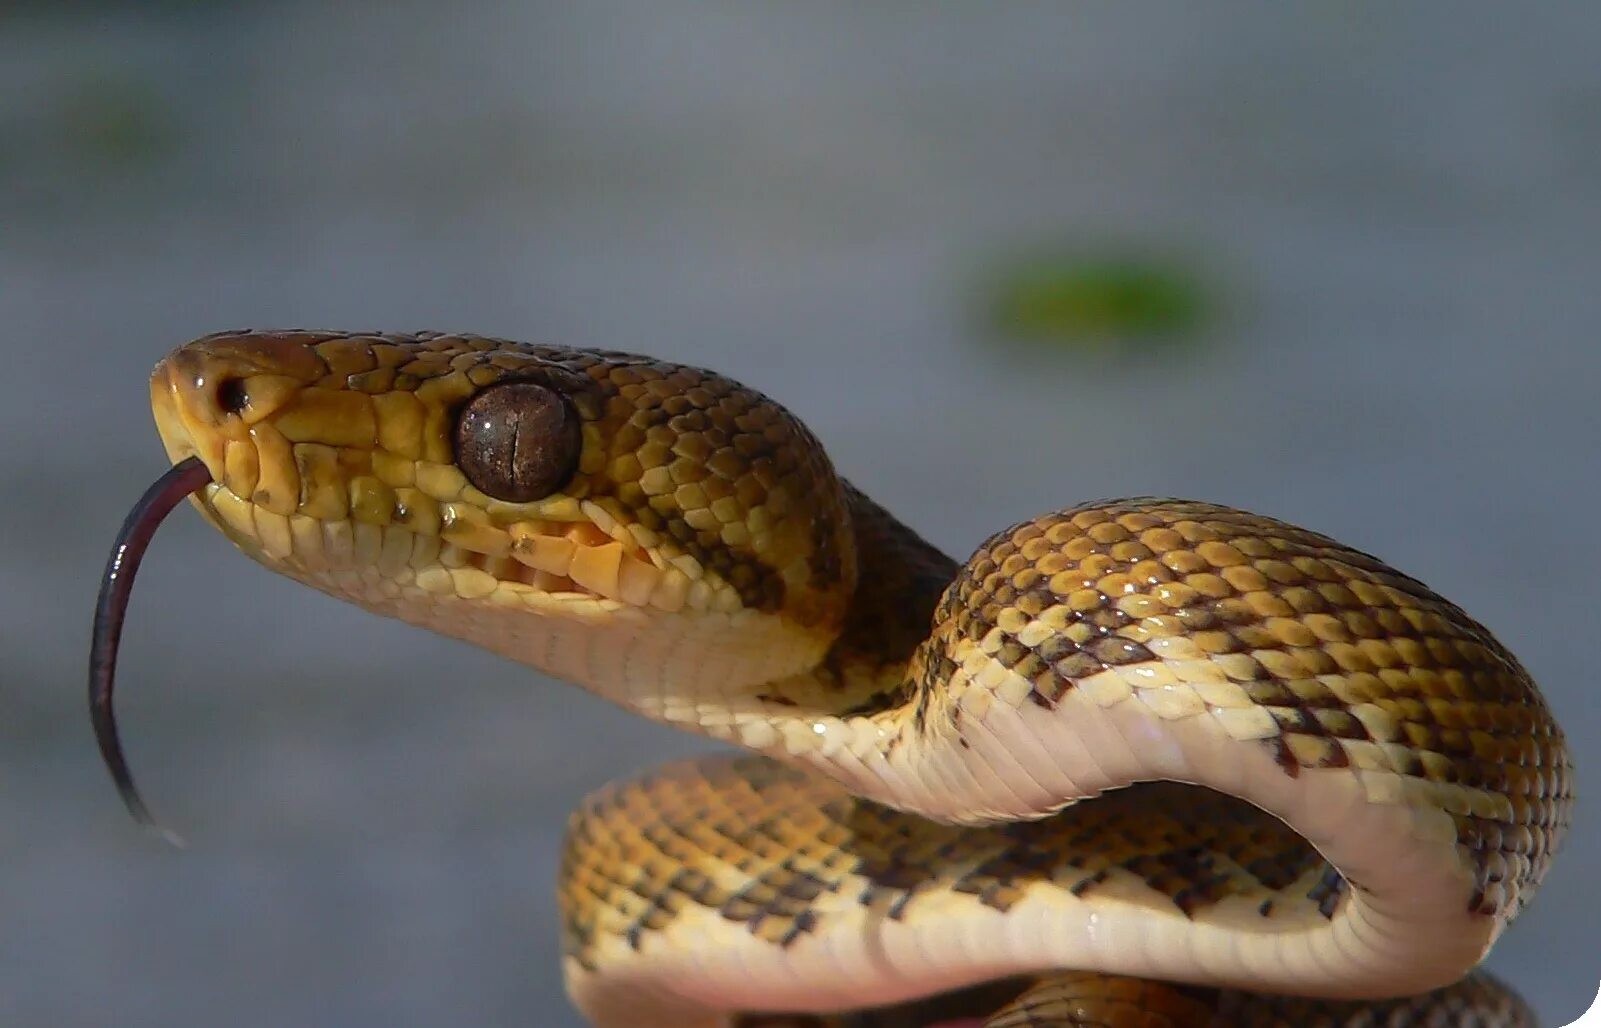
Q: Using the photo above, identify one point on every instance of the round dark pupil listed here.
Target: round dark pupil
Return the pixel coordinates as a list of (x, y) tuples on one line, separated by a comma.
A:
[(518, 441)]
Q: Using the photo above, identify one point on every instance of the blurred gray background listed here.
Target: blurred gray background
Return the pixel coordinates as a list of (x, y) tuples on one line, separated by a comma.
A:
[(1386, 222)]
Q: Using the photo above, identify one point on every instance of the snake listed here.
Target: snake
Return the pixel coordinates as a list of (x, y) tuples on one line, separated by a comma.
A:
[(1136, 762)]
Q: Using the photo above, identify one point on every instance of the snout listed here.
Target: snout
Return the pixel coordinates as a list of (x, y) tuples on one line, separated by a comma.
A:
[(209, 392)]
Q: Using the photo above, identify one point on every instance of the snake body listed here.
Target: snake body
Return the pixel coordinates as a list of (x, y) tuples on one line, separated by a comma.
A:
[(1143, 761)]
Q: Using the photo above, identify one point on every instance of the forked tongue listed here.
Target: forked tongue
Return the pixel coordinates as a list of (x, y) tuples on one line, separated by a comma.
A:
[(180, 480)]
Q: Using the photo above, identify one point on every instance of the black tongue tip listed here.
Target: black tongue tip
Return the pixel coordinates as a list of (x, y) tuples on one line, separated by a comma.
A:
[(111, 609)]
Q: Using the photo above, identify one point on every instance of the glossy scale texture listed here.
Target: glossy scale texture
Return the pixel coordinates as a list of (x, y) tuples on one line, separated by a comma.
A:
[(1148, 738)]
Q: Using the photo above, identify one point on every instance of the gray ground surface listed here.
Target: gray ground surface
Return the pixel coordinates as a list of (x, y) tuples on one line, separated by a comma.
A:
[(1402, 210)]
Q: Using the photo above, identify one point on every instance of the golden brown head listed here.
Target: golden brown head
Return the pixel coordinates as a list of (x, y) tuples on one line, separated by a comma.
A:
[(505, 493)]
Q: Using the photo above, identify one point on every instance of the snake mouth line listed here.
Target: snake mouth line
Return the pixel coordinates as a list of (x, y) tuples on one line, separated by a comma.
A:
[(573, 560), (456, 549)]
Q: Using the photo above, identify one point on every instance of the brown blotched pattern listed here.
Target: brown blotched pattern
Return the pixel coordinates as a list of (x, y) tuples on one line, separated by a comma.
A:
[(780, 852), (1357, 664), (336, 450)]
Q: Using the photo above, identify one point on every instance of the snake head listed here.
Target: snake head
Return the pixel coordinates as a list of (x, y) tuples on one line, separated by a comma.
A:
[(574, 509)]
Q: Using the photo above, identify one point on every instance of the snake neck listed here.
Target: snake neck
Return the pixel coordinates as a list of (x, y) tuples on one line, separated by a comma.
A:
[(901, 578), (858, 710)]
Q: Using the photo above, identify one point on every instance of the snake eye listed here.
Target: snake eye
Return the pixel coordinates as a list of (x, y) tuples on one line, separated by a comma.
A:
[(518, 441)]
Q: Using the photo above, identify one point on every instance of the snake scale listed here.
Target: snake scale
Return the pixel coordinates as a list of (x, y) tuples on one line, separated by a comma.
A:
[(1140, 762)]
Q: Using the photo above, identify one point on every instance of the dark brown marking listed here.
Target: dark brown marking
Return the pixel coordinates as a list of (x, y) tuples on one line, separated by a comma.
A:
[(1327, 893), (1285, 758)]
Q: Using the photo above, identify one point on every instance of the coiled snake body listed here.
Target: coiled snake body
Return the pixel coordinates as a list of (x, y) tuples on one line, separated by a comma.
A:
[(1139, 762)]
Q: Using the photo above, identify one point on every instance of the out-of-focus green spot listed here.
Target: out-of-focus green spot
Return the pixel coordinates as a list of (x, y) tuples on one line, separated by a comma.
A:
[(115, 122), (1099, 302)]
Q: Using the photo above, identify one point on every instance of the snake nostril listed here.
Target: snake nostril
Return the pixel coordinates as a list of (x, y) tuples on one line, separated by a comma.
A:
[(231, 397)]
